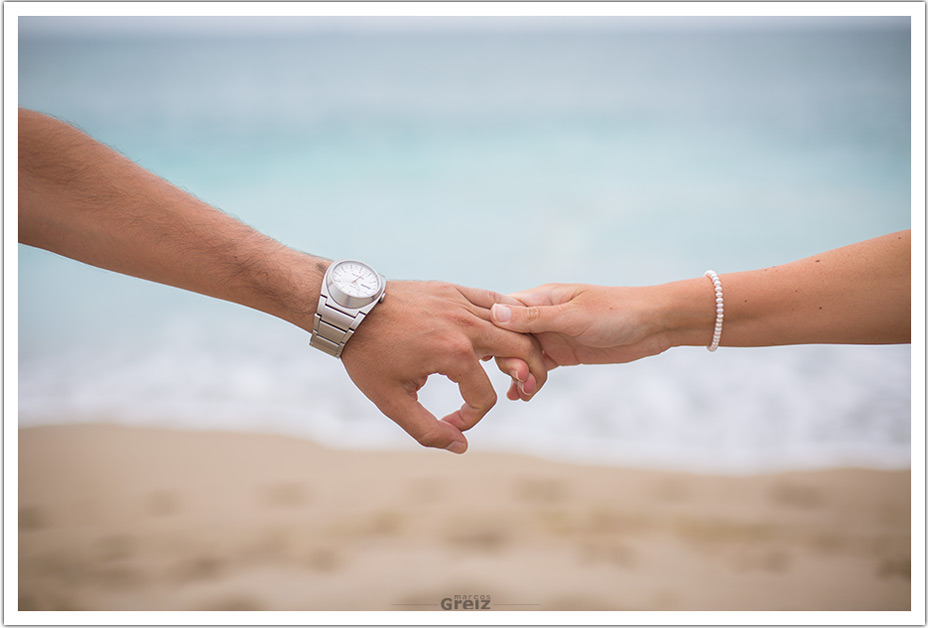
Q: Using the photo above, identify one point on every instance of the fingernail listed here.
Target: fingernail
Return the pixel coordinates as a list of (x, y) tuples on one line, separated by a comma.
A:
[(529, 387), (500, 312), (514, 374), (457, 447)]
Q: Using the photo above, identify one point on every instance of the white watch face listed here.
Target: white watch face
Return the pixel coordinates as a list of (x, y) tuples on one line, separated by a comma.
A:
[(356, 280)]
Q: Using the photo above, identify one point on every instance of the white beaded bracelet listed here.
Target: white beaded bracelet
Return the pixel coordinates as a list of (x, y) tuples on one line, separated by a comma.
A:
[(719, 310)]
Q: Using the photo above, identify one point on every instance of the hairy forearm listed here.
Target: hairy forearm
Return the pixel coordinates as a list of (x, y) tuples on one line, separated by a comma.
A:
[(858, 294), (85, 201)]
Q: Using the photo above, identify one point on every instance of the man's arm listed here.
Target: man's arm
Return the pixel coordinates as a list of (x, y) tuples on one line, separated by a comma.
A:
[(85, 201)]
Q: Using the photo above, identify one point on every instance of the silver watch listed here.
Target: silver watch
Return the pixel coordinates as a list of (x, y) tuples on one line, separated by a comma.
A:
[(350, 290)]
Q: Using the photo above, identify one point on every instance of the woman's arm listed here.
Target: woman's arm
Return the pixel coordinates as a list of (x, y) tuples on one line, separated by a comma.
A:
[(858, 294)]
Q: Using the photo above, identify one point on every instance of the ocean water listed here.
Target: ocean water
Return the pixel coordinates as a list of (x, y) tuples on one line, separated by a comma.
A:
[(620, 152)]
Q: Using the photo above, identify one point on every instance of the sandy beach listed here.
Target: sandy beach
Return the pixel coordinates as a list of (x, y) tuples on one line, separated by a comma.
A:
[(121, 518)]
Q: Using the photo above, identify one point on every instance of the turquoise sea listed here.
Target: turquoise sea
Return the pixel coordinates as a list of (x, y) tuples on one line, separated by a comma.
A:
[(493, 153)]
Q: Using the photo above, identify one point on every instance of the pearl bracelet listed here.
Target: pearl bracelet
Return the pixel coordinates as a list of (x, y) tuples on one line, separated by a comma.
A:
[(719, 310)]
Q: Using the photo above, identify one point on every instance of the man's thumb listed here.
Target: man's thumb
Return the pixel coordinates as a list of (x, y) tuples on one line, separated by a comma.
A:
[(527, 319)]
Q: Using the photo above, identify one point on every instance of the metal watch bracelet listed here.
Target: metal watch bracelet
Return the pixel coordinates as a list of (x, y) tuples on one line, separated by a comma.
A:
[(332, 327)]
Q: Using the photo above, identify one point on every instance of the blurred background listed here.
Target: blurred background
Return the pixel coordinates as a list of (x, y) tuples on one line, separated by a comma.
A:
[(498, 153), (177, 452)]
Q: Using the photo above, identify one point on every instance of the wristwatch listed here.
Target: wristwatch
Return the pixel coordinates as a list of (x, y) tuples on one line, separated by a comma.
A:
[(350, 290)]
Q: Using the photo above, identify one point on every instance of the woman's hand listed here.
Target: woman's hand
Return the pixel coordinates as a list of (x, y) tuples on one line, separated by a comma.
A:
[(586, 324)]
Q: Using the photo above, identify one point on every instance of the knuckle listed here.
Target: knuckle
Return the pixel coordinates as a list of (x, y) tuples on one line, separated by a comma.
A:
[(481, 401), (531, 314), (506, 364), (460, 348), (463, 319), (491, 296), (430, 437)]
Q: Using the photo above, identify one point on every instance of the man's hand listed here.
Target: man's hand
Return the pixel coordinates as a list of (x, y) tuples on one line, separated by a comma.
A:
[(423, 328)]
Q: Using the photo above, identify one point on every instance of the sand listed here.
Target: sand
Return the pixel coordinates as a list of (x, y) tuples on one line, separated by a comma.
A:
[(122, 518)]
